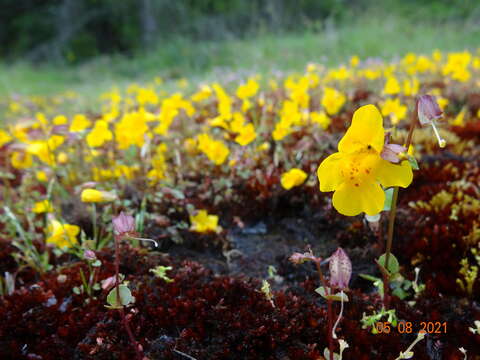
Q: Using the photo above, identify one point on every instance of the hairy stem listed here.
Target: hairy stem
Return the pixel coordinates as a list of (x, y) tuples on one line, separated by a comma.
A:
[(329, 307)]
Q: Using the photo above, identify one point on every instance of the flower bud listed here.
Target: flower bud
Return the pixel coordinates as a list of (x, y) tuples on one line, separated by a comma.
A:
[(428, 109), (298, 258), (89, 255), (428, 112), (123, 224), (340, 269)]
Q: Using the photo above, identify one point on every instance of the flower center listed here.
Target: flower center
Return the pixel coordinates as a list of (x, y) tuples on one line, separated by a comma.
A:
[(360, 166)]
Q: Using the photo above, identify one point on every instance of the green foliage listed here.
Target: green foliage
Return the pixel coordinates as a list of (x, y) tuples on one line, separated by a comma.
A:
[(73, 30)]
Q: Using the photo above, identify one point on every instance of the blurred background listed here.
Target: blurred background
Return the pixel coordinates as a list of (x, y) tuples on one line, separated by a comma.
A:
[(54, 45)]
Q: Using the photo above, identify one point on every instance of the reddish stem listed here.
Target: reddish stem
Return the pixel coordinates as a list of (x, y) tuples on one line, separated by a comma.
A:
[(393, 211), (329, 307), (122, 310)]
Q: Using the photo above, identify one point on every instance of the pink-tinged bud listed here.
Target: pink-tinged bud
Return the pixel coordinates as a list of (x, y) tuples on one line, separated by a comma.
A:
[(428, 109), (340, 269), (123, 224), (298, 258), (390, 152), (108, 283), (89, 255)]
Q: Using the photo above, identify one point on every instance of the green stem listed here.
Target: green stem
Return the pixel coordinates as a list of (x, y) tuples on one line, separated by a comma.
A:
[(393, 211), (94, 222)]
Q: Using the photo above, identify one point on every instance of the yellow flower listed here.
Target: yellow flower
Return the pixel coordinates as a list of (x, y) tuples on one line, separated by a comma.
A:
[(100, 134), (79, 123), (21, 160), (392, 86), (332, 101), (459, 119), (41, 176), (202, 222), (60, 120), (321, 119), (204, 93), (394, 109), (96, 196), (357, 172), (215, 150), (43, 206), (44, 150), (248, 89), (4, 138), (147, 96), (131, 130), (62, 158), (62, 235), (246, 135), (292, 178), (354, 61)]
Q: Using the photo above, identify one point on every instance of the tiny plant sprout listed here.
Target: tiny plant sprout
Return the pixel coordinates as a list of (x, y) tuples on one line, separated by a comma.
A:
[(161, 272), (428, 112), (408, 354), (267, 291), (476, 329)]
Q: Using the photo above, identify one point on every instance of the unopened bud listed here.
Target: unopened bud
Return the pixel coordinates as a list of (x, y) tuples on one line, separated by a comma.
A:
[(89, 255), (428, 112), (340, 269), (428, 109), (123, 224), (298, 258)]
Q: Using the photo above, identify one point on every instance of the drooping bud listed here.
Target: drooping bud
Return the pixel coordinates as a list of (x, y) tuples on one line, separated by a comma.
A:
[(123, 224), (428, 109), (340, 269), (428, 112)]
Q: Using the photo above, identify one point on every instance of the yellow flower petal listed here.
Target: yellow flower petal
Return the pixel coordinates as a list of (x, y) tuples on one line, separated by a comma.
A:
[(366, 130), (329, 172), (351, 200), (394, 175)]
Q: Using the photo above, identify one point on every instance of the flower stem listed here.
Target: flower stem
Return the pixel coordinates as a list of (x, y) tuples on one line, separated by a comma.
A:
[(393, 212), (118, 300), (329, 307)]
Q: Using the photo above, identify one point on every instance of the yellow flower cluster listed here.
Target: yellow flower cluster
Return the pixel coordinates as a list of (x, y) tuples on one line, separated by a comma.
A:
[(151, 136)]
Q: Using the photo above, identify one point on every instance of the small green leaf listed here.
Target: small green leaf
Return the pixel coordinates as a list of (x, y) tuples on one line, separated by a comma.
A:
[(335, 297), (97, 263), (126, 297), (393, 265), (413, 162), (369, 277)]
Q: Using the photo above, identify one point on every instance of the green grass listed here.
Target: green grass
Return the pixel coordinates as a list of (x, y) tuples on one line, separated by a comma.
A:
[(387, 37)]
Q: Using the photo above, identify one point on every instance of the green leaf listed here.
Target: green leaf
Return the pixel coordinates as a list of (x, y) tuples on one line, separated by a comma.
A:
[(126, 297), (334, 297), (393, 265), (413, 162), (369, 277), (388, 199), (400, 293)]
